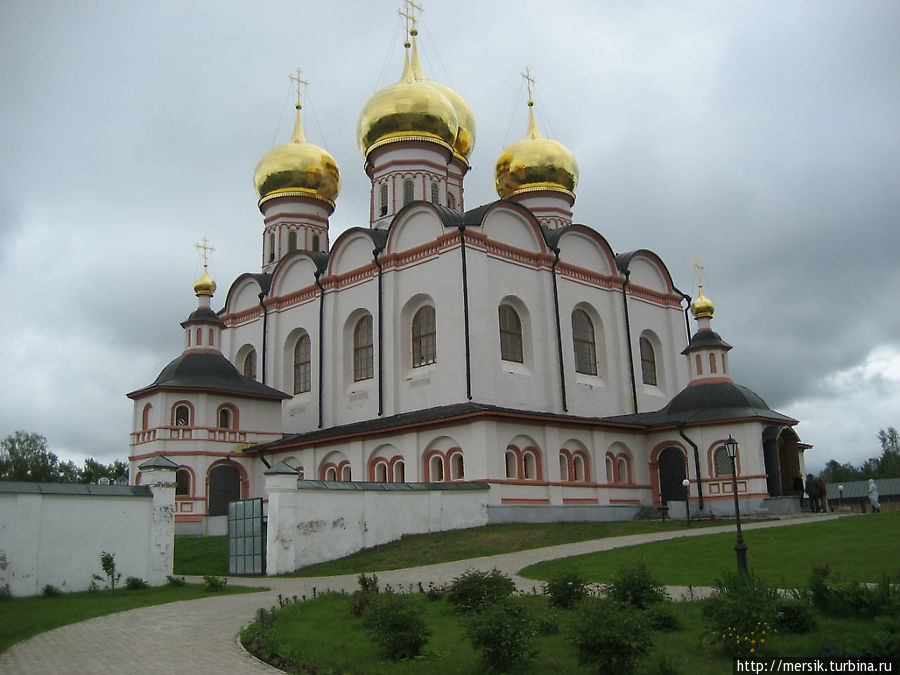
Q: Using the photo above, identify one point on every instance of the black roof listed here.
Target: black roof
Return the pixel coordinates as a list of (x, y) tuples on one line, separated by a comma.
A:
[(706, 338), (203, 315), (209, 370)]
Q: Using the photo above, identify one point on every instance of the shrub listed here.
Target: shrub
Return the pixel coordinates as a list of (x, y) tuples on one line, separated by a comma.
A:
[(566, 590), (434, 593), (396, 623), (135, 583), (853, 598), (50, 591), (662, 617), (794, 615), (609, 637), (475, 590), (361, 599), (5, 592), (503, 631), (214, 584), (632, 585), (175, 581), (739, 602)]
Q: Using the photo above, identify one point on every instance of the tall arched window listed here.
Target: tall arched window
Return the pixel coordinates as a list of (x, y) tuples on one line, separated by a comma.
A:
[(271, 246), (249, 369), (563, 467), (384, 199), (331, 473), (292, 240), (381, 475), (583, 339), (436, 468), (622, 470), (363, 354), (435, 193), (580, 469), (315, 242), (423, 337), (182, 416), (301, 365), (510, 335), (451, 201), (530, 465), (457, 466), (225, 418), (648, 362), (145, 417), (399, 471), (346, 475), (407, 191), (712, 363), (182, 483), (721, 461), (610, 472), (511, 464)]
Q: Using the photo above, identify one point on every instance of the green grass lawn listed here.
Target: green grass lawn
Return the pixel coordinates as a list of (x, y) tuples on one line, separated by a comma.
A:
[(862, 548), (20, 618), (201, 555)]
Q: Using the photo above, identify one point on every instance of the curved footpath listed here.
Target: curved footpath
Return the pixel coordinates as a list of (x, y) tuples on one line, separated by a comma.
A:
[(200, 636)]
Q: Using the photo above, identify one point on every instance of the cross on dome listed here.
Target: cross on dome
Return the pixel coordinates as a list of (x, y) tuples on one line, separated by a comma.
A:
[(697, 265), (409, 13), (529, 79), (207, 248), (299, 81)]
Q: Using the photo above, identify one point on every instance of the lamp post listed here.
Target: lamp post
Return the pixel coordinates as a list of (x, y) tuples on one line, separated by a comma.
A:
[(841, 490), (740, 548), (687, 499)]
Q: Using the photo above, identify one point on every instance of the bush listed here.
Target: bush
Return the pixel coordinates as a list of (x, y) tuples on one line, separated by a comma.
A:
[(434, 593), (135, 584), (503, 631), (853, 598), (108, 563), (50, 591), (794, 615), (566, 590), (361, 599), (175, 581), (742, 609), (5, 592), (632, 585), (609, 637), (662, 617), (475, 590), (396, 623), (215, 584)]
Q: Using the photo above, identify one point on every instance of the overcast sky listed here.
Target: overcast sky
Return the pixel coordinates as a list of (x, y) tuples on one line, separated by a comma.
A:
[(763, 137)]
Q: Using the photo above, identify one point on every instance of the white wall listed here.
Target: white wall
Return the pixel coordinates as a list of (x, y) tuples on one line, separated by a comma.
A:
[(55, 533)]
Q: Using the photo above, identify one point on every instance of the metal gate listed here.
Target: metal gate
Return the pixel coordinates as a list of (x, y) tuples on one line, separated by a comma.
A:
[(246, 537)]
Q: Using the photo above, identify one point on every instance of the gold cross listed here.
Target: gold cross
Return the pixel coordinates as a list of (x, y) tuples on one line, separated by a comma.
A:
[(530, 79), (409, 13), (697, 265), (206, 247), (300, 81)]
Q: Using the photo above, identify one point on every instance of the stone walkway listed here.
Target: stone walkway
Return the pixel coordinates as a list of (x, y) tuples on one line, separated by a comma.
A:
[(200, 636)]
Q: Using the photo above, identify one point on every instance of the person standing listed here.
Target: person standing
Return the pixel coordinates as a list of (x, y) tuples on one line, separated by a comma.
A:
[(823, 496), (798, 488), (812, 489), (873, 496)]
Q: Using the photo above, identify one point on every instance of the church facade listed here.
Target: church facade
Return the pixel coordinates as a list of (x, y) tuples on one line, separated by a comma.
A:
[(502, 343)]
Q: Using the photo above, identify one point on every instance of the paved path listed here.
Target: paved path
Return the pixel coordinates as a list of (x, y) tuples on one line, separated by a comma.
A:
[(199, 636)]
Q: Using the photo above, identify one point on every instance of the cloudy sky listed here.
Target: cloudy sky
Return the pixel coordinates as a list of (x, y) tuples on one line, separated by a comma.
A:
[(763, 137)]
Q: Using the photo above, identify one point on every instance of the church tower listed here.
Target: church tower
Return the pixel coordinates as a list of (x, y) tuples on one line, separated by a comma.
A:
[(538, 173), (706, 352), (416, 136), (297, 183)]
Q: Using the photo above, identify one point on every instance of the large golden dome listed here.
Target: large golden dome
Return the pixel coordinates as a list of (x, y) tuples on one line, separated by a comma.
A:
[(297, 168), (411, 109), (204, 285), (702, 307), (535, 163)]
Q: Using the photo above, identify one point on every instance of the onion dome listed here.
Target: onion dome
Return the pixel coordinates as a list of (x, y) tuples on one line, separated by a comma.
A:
[(535, 164), (409, 110), (465, 118), (702, 307), (297, 169), (204, 285)]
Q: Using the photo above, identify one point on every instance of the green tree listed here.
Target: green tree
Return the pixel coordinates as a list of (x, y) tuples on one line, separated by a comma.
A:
[(834, 472), (24, 456), (888, 465)]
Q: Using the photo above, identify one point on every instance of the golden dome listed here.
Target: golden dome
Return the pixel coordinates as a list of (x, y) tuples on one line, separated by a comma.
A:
[(297, 168), (204, 285), (410, 109), (702, 307), (535, 163)]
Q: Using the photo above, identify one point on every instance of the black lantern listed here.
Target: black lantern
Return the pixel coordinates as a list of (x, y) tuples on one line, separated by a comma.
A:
[(740, 548)]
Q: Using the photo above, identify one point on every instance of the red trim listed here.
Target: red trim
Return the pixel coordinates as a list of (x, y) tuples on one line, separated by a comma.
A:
[(624, 501), (513, 500), (573, 500)]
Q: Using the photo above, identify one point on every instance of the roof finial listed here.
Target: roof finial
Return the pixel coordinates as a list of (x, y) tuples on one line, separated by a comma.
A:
[(697, 265), (409, 13), (204, 287), (207, 248), (529, 79), (533, 131), (299, 81), (297, 136)]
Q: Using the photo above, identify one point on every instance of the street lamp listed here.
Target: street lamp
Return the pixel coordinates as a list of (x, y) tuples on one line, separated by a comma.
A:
[(687, 499), (841, 490), (740, 548)]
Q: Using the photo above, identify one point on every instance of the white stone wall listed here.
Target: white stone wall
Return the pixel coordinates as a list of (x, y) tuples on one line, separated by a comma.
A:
[(311, 525), (52, 537)]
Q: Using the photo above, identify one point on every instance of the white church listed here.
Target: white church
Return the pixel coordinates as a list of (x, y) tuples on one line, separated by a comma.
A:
[(504, 344)]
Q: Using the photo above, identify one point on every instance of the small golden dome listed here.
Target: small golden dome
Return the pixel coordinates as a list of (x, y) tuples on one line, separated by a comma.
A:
[(410, 109), (702, 307), (297, 168), (535, 163), (204, 285)]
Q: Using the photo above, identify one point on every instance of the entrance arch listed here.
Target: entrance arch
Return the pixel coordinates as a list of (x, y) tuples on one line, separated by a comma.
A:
[(672, 470), (224, 487)]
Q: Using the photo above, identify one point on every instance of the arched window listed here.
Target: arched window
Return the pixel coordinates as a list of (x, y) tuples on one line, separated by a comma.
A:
[(145, 417), (384, 199), (249, 369), (563, 467), (225, 420), (363, 355), (292, 240), (721, 461), (610, 474), (380, 473), (530, 465), (580, 469), (648, 362), (436, 468), (315, 242), (510, 335), (182, 416), (182, 483), (435, 193), (712, 363), (451, 201), (271, 246), (301, 365), (699, 363), (399, 471), (224, 487), (583, 338), (622, 470), (423, 337), (511, 468), (331, 473), (407, 191), (345, 473), (211, 334), (457, 466)]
